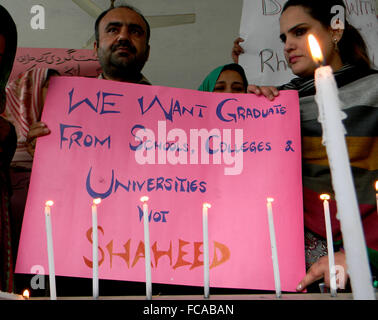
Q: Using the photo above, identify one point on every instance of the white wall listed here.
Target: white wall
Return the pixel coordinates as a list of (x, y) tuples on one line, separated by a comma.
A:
[(181, 56)]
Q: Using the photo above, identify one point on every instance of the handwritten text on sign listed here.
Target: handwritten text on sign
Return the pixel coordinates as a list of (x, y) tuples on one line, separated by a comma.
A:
[(181, 148), (68, 62)]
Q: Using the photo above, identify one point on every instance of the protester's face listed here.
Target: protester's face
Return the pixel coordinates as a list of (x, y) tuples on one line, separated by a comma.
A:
[(229, 81), (295, 26), (2, 47), (122, 46)]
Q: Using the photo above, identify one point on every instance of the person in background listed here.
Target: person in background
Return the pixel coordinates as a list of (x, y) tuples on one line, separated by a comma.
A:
[(8, 140), (229, 78), (345, 51), (25, 99)]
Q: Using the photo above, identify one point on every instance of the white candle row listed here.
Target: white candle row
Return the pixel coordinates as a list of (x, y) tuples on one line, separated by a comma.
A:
[(95, 276), (50, 250), (206, 206)]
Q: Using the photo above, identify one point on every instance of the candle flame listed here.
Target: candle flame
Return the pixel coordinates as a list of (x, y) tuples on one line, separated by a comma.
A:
[(144, 199), (97, 201), (376, 185), (316, 52), (26, 294), (325, 196), (207, 205), (49, 203), (269, 199)]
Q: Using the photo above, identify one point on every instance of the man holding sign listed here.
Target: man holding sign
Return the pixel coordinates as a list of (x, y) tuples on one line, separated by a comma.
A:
[(122, 47)]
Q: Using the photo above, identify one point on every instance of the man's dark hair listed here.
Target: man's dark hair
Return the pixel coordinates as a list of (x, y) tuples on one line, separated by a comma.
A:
[(99, 18)]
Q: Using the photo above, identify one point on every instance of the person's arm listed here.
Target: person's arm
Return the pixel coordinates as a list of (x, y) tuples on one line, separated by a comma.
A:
[(269, 92), (237, 50), (320, 270), (37, 129)]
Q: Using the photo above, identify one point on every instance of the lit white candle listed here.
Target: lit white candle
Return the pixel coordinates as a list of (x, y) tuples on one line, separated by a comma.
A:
[(50, 249), (273, 245), (331, 256), (147, 248), (205, 230), (330, 116), (95, 286)]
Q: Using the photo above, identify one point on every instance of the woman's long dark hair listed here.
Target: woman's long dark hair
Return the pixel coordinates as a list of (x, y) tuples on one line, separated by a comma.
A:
[(352, 47)]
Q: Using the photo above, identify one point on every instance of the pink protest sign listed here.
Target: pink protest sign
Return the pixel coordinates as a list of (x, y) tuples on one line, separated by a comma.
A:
[(69, 62), (181, 148)]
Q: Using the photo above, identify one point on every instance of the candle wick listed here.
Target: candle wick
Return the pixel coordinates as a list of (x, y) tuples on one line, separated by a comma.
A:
[(320, 63)]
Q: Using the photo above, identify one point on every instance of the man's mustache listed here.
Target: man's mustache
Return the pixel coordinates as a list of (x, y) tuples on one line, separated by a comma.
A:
[(125, 45)]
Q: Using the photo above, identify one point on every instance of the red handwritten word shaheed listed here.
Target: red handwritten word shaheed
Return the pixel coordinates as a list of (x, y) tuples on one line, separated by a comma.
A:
[(157, 254)]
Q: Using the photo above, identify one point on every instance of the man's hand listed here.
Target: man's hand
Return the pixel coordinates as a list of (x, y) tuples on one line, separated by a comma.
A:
[(320, 269), (237, 50), (37, 129), (269, 92)]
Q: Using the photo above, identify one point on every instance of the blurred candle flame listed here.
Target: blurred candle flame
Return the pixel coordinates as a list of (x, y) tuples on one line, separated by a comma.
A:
[(207, 205), (26, 294), (144, 199), (325, 196), (316, 52), (49, 203)]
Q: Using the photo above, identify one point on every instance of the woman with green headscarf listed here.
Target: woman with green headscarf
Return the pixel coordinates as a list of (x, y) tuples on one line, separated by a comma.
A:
[(229, 78), (8, 141)]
